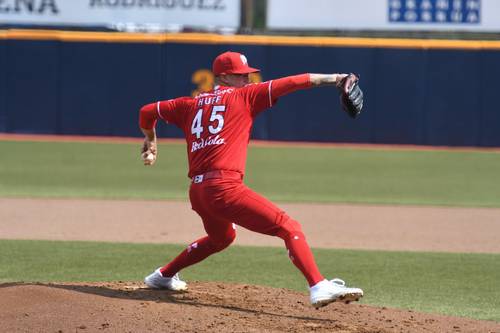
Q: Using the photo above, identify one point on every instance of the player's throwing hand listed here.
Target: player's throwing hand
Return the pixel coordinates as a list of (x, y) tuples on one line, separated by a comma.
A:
[(149, 152)]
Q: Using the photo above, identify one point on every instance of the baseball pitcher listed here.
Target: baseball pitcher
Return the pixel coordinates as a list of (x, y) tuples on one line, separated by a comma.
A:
[(217, 126)]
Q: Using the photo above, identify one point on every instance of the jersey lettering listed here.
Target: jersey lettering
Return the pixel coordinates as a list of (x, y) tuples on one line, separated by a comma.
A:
[(216, 118), (210, 141)]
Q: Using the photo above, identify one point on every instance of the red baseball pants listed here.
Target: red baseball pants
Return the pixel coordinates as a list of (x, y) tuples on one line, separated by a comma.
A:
[(225, 200)]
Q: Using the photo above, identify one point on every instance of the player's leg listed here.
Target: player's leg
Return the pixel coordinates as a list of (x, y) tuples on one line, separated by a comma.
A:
[(256, 213), (220, 234), (259, 214)]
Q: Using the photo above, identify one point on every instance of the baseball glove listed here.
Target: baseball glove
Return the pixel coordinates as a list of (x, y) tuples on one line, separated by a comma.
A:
[(351, 95)]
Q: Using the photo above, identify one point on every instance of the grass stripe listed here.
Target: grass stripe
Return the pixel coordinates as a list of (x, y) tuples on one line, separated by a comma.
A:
[(295, 174)]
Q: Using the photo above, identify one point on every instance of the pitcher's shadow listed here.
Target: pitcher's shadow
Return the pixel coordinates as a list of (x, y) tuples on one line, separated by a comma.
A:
[(146, 294)]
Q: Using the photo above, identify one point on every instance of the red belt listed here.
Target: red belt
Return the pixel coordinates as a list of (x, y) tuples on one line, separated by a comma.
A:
[(214, 174)]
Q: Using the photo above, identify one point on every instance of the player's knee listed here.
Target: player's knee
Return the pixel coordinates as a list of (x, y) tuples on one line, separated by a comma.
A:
[(221, 243), (289, 228)]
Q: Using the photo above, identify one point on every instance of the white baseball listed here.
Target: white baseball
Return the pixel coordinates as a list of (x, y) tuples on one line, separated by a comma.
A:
[(149, 157)]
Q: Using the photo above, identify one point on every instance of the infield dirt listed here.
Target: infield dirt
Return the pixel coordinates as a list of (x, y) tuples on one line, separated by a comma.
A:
[(395, 228), (207, 307), (223, 307)]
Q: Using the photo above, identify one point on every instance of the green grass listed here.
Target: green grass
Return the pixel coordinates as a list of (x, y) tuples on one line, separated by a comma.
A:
[(448, 283), (304, 174)]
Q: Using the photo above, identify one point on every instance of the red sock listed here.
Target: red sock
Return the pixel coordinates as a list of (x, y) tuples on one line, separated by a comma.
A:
[(195, 252), (302, 257)]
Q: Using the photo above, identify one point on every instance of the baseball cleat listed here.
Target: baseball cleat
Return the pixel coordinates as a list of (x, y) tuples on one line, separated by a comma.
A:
[(326, 292), (157, 281)]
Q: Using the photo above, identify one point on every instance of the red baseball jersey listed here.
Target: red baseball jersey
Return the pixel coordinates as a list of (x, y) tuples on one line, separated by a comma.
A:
[(217, 124)]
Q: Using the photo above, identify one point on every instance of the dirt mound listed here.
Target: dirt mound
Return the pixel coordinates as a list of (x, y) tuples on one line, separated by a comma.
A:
[(207, 307)]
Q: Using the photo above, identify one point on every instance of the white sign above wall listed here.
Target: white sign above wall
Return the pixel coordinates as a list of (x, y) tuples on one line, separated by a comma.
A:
[(161, 13), (463, 15)]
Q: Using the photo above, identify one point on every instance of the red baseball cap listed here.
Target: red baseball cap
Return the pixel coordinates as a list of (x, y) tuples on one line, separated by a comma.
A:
[(232, 63)]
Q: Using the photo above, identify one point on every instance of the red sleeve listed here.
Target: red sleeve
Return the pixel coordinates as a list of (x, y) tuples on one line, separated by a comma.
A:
[(148, 116), (257, 96), (286, 85), (171, 111), (261, 96)]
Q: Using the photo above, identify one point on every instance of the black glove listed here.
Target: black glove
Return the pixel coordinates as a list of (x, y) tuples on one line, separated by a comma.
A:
[(351, 95)]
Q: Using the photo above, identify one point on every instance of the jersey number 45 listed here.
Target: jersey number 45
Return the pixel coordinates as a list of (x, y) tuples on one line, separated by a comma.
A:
[(216, 117)]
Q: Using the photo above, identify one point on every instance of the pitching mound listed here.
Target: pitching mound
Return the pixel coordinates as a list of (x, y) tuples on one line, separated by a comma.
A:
[(207, 307)]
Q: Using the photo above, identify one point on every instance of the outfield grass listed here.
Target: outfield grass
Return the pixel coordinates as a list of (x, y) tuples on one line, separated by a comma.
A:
[(453, 284), (304, 174)]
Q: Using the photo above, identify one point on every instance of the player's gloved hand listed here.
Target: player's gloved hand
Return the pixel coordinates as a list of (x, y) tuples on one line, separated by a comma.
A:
[(149, 152), (351, 95)]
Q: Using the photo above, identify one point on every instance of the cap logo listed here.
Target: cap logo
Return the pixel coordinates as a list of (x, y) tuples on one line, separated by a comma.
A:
[(243, 59)]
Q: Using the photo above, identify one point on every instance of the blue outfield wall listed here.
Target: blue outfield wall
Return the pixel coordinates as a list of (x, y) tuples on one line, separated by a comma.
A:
[(412, 96)]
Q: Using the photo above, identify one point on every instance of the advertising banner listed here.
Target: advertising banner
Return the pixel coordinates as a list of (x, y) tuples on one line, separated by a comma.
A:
[(437, 15), (159, 13)]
